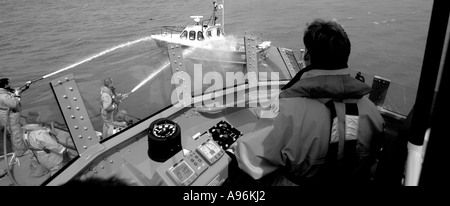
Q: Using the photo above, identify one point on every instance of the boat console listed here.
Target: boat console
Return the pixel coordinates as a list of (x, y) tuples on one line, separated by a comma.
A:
[(202, 162)]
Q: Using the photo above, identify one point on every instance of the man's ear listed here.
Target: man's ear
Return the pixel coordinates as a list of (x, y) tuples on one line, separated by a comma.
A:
[(307, 58)]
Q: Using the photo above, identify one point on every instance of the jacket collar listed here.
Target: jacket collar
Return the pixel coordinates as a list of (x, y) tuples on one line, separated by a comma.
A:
[(333, 84), (106, 89)]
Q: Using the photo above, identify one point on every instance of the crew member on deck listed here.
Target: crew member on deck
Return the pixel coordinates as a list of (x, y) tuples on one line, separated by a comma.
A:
[(119, 123), (109, 101), (10, 98)]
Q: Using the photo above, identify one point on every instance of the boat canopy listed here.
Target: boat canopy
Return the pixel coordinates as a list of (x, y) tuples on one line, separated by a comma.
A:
[(199, 33)]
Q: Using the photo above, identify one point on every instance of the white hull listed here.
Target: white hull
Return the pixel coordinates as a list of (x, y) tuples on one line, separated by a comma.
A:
[(221, 44)]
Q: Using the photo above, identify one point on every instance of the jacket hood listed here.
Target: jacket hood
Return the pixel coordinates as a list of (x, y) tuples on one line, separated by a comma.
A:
[(328, 86)]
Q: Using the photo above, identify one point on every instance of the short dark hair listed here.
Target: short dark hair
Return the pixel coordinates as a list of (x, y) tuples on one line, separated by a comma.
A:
[(4, 82), (327, 44), (107, 82)]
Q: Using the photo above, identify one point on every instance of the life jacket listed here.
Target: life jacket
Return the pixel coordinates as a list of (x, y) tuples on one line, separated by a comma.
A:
[(342, 161), (301, 140), (8, 100), (108, 113), (345, 163)]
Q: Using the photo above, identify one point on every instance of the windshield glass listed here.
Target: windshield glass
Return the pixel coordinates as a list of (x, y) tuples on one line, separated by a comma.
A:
[(95, 40)]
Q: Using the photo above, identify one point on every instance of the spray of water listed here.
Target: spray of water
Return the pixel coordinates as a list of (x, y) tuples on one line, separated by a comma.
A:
[(99, 54), (227, 44), (154, 73)]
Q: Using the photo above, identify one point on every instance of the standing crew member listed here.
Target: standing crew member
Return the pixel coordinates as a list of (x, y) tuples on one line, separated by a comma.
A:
[(109, 101), (10, 98)]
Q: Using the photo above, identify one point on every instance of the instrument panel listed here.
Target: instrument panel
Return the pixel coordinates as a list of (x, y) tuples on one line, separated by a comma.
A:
[(224, 134), (203, 162)]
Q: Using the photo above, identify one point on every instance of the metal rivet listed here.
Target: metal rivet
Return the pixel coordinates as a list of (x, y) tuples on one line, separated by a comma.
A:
[(77, 108), (79, 136), (59, 82), (110, 161), (129, 150), (179, 57), (118, 150), (180, 64), (95, 171), (75, 99), (68, 107), (67, 79), (103, 167), (171, 47), (70, 88), (73, 117), (85, 128), (65, 96), (89, 137), (76, 127), (85, 147), (81, 117)]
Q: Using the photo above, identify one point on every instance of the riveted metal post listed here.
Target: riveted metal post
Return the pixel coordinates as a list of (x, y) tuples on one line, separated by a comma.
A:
[(177, 63), (75, 114), (290, 61), (251, 56), (176, 58), (252, 69)]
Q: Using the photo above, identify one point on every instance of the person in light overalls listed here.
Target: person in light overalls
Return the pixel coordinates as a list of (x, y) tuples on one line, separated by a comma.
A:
[(109, 103), (10, 99)]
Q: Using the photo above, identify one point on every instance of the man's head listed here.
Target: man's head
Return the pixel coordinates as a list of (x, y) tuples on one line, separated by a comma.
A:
[(4, 83), (32, 118), (108, 82), (327, 45)]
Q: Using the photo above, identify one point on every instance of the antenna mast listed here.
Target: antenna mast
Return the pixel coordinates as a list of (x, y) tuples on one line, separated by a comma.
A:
[(223, 17), (216, 7)]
